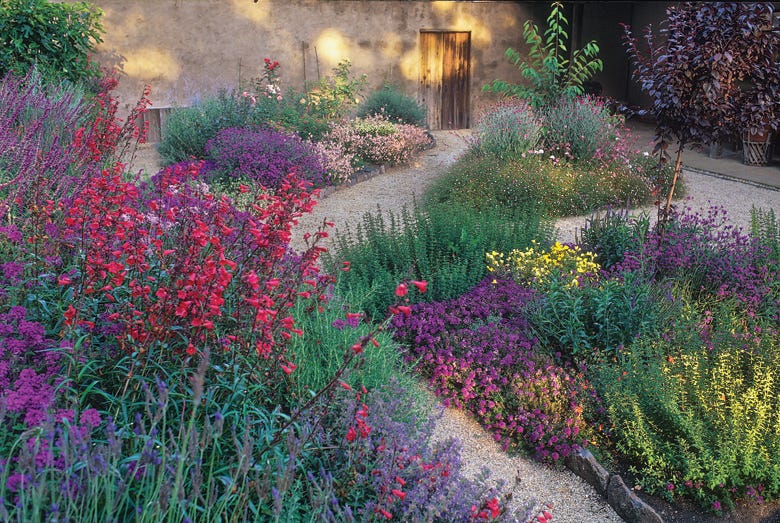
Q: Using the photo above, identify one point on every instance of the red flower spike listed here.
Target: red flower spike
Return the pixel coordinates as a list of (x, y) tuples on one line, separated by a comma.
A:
[(405, 309), (351, 434), (422, 286), (69, 315), (357, 348)]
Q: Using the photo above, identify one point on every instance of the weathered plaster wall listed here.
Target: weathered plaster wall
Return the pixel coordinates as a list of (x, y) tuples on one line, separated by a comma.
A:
[(188, 48)]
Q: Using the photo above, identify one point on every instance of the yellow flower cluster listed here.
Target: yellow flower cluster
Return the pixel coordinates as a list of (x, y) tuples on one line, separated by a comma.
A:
[(538, 266)]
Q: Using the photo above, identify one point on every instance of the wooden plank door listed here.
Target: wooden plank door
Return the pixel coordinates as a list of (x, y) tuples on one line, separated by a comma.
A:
[(445, 78)]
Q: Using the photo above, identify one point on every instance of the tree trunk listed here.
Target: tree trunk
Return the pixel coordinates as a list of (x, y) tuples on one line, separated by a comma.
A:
[(677, 168)]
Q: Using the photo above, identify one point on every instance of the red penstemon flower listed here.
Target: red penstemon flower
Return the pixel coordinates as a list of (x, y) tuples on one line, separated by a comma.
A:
[(422, 286), (128, 242)]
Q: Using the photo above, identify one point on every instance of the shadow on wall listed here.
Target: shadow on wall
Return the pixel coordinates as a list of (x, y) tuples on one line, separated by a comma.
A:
[(184, 49)]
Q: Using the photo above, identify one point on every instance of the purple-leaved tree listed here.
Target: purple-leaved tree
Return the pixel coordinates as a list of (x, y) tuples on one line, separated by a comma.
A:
[(714, 75)]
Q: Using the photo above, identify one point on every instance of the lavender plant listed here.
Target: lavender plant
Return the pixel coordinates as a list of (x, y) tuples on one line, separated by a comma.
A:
[(582, 129), (507, 129)]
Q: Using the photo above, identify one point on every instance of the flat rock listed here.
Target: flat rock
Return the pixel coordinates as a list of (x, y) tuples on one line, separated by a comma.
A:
[(628, 505), (585, 466)]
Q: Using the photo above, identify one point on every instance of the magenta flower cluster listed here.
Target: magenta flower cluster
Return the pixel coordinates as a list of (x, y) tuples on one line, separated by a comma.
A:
[(477, 355), (264, 156), (28, 368)]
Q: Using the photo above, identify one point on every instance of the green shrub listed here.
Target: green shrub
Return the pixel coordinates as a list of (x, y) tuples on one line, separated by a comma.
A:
[(581, 129), (396, 106), (55, 37), (537, 181), (765, 227), (695, 420), (444, 246), (613, 234), (189, 128), (507, 130), (595, 319), (334, 96), (551, 70)]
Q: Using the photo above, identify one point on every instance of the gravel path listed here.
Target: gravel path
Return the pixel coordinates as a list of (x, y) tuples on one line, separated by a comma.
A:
[(573, 501)]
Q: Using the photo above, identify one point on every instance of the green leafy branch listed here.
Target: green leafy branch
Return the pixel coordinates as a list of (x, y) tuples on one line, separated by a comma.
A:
[(551, 70)]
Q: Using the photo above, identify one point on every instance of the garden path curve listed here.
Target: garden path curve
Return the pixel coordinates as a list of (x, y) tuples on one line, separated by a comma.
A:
[(573, 500)]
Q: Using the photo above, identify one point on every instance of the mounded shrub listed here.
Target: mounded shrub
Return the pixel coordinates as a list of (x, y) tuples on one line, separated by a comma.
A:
[(394, 105), (188, 129), (507, 129), (582, 129), (377, 140), (538, 180), (263, 156)]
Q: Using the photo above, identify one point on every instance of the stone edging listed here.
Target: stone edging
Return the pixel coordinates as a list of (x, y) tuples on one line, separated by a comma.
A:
[(612, 487), (366, 173)]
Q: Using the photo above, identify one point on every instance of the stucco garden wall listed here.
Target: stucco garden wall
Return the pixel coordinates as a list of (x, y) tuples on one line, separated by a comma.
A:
[(188, 48)]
